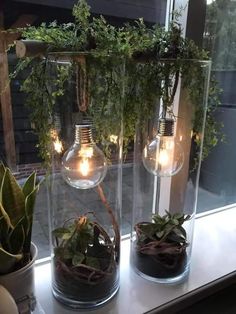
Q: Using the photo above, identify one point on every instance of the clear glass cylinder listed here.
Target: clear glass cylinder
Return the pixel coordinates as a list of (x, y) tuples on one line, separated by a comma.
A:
[(167, 157), (85, 178)]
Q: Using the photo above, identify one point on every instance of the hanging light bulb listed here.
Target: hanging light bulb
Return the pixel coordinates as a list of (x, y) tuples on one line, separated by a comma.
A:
[(84, 165), (164, 156)]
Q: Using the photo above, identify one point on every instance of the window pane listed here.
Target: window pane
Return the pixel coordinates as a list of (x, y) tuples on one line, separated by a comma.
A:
[(218, 173)]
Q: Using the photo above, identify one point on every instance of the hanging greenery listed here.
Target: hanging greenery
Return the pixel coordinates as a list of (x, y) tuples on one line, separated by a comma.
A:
[(132, 73)]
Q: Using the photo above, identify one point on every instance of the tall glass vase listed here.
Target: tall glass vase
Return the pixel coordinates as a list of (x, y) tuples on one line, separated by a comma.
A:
[(85, 179), (167, 157)]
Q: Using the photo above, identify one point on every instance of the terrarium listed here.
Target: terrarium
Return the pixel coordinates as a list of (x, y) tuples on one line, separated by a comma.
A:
[(85, 178), (167, 157)]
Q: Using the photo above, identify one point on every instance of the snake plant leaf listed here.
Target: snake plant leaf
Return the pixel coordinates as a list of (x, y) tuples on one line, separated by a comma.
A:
[(12, 197), (29, 185), (4, 233), (29, 210), (8, 261), (2, 173), (17, 238), (29, 204), (4, 215)]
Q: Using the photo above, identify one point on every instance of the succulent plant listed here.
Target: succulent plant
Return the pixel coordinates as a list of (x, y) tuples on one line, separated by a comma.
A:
[(164, 235), (16, 217)]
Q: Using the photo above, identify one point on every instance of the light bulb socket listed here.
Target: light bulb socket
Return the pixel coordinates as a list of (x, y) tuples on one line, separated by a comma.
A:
[(83, 134), (166, 127)]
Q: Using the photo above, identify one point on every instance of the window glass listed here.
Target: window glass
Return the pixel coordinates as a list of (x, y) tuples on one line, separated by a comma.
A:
[(218, 172)]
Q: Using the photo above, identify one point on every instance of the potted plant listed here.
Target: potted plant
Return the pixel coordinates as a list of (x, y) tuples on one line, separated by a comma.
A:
[(161, 246), (17, 252), (85, 260)]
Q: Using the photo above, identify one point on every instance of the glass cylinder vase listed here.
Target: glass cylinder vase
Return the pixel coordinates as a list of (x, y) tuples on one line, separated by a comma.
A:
[(167, 156), (85, 179)]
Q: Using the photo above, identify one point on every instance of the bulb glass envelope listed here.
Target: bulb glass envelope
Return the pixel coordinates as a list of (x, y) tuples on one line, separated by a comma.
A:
[(164, 156), (84, 165)]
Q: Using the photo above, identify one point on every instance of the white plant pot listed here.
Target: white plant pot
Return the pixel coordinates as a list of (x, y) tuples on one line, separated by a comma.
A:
[(20, 284)]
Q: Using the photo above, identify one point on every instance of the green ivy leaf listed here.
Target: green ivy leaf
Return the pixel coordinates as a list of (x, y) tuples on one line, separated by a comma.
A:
[(160, 234), (92, 262), (61, 233), (78, 259)]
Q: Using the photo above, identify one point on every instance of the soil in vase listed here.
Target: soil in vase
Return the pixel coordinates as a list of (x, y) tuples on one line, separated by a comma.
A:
[(162, 266), (74, 287)]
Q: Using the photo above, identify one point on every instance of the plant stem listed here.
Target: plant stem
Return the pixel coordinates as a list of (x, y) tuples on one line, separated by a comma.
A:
[(113, 219)]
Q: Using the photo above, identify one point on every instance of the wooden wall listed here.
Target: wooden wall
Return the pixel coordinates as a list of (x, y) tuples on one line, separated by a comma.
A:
[(25, 140)]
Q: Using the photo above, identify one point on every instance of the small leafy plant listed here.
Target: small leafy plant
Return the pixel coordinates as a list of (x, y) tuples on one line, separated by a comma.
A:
[(16, 218), (164, 239), (85, 249), (85, 259)]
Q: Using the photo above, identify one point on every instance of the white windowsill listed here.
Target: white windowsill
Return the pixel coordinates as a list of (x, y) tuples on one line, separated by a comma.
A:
[(213, 265)]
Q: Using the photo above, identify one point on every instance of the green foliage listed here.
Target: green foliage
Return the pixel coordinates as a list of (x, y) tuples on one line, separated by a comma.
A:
[(16, 217), (41, 101), (167, 228), (83, 244), (128, 61)]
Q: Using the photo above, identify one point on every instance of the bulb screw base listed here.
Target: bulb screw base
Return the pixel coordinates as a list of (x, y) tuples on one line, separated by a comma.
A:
[(83, 134), (166, 127)]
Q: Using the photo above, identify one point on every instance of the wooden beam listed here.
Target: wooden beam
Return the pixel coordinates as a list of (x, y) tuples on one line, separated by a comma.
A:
[(30, 48), (5, 97)]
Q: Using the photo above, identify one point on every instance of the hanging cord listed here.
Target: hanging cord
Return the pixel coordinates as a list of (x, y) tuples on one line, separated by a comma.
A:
[(81, 84)]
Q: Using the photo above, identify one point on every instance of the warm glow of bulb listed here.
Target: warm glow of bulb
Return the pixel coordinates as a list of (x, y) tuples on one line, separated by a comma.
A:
[(169, 145), (83, 167), (163, 158), (145, 152), (113, 138), (86, 152), (58, 146)]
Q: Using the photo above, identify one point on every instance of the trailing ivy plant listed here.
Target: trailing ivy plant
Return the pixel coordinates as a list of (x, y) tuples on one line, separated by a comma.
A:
[(133, 77)]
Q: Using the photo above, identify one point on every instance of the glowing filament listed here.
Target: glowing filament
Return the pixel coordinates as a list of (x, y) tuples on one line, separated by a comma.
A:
[(163, 157), (84, 167)]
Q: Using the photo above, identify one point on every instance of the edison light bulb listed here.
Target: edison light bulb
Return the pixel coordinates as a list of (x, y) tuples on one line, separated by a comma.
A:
[(84, 165), (164, 156)]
